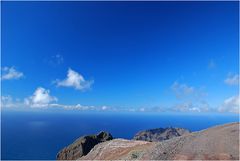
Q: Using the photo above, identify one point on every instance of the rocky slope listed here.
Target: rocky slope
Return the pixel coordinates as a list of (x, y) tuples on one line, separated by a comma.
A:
[(82, 146), (160, 134), (216, 143)]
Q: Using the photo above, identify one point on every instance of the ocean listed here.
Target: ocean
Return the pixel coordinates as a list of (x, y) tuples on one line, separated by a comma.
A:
[(39, 135)]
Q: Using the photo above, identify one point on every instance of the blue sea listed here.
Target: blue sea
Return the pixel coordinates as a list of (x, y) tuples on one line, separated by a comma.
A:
[(40, 135)]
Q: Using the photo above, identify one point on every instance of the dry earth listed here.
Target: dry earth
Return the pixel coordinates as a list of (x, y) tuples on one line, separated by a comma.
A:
[(216, 143)]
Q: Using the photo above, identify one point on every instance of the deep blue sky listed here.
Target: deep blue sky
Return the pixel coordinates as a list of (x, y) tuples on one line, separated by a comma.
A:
[(134, 51)]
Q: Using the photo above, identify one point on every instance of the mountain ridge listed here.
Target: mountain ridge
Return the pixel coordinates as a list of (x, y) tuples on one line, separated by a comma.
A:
[(219, 143)]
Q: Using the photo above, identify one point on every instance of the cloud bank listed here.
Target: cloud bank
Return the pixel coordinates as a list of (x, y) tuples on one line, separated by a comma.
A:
[(41, 98)]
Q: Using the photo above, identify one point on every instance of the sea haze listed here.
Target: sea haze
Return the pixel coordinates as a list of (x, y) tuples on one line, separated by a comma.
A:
[(40, 135)]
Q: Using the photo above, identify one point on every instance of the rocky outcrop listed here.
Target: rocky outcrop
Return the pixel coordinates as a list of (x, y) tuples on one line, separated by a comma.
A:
[(160, 134), (82, 146), (216, 143)]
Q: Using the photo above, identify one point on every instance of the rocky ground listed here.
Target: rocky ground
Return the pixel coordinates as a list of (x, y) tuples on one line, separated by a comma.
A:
[(160, 134), (216, 143), (82, 146)]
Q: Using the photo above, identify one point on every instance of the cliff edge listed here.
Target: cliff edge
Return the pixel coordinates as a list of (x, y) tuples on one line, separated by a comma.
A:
[(82, 146)]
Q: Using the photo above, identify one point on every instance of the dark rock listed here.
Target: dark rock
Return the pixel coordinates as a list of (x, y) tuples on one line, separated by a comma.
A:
[(160, 134), (82, 146)]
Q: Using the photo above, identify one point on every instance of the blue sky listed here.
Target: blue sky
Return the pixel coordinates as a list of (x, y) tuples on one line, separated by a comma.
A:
[(131, 55)]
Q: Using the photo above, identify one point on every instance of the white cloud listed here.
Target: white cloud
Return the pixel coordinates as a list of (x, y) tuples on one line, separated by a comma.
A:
[(183, 107), (182, 90), (192, 98), (104, 107), (72, 107), (188, 93), (230, 105), (40, 98), (8, 102), (10, 73), (192, 107), (7, 98), (232, 80), (75, 80)]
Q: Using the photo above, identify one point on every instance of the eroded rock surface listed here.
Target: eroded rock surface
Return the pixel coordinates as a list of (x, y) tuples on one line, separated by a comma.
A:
[(160, 134), (82, 146)]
